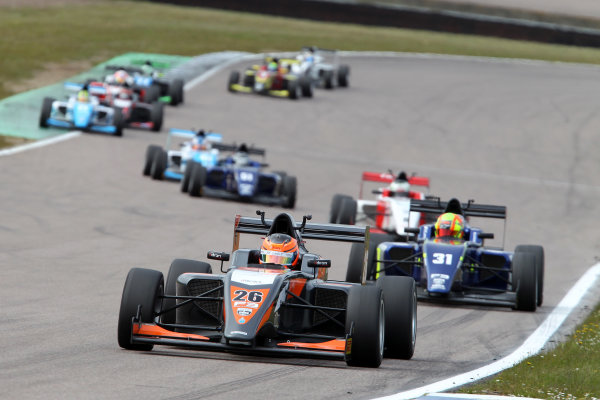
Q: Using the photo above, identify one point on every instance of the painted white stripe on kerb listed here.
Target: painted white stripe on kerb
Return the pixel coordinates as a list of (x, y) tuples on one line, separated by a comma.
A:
[(530, 347), (39, 143)]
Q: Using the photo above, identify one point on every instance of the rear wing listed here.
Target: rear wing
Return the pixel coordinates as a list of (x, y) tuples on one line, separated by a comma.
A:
[(386, 177), (469, 209), (234, 147), (212, 137), (128, 68), (331, 232)]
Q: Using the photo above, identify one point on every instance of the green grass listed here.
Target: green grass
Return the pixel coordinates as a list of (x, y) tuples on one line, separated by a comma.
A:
[(569, 371), (33, 37)]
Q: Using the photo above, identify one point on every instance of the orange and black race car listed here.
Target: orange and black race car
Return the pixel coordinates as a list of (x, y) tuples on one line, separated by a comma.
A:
[(267, 308)]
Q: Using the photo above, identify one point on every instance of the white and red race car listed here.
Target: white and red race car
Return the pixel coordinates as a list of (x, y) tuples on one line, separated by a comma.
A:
[(390, 211)]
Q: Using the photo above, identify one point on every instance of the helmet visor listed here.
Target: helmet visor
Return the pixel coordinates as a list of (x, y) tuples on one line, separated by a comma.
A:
[(276, 257)]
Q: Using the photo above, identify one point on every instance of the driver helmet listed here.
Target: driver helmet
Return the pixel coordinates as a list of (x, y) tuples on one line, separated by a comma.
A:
[(121, 77), (272, 66), (241, 158), (450, 225), (83, 96), (279, 248)]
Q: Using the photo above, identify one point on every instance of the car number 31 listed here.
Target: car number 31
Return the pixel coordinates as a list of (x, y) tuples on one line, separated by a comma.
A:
[(442, 258)]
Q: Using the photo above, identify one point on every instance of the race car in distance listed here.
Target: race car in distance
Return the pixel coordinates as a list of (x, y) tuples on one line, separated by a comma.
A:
[(201, 147), (83, 112), (266, 308), (273, 79), (459, 268), (237, 177), (390, 212), (148, 78), (312, 64)]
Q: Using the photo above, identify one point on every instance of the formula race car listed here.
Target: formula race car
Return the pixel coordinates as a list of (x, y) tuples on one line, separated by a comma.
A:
[(137, 114), (458, 268), (390, 212), (312, 63), (201, 147), (238, 177), (272, 79), (260, 306), (148, 79), (81, 112)]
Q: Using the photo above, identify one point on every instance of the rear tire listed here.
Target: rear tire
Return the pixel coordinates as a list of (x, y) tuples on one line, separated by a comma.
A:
[(400, 297), (307, 88), (159, 165), (142, 287), (234, 78), (365, 322), (178, 267), (156, 115), (334, 209), (347, 214), (46, 111), (151, 94), (289, 190), (538, 253), (150, 150), (524, 280), (197, 180), (176, 92), (342, 76)]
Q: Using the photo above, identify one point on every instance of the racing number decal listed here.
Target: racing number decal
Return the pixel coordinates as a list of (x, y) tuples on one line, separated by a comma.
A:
[(246, 176), (442, 258), (245, 303), (243, 295)]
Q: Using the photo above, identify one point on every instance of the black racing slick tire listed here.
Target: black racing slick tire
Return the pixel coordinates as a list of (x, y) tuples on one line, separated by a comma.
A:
[(197, 181), (159, 165), (46, 111), (347, 214), (185, 181), (151, 94), (143, 287), (289, 191), (179, 266), (307, 87), (342, 76), (334, 208), (118, 121), (234, 78), (400, 297), (538, 253), (294, 89), (365, 323), (176, 92), (156, 116), (357, 251), (328, 79), (150, 150), (524, 281)]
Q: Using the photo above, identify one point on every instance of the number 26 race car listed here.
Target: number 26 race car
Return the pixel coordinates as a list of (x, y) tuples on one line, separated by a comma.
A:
[(261, 307)]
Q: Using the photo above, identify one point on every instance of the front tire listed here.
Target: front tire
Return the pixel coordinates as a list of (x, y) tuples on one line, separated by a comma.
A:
[(118, 122), (143, 287), (524, 281), (365, 322), (179, 266), (159, 165), (197, 180), (357, 253), (234, 78), (176, 92), (538, 253), (156, 116), (150, 150), (400, 297)]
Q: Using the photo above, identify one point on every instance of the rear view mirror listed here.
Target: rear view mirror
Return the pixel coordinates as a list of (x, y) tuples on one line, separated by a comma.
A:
[(216, 255), (319, 263)]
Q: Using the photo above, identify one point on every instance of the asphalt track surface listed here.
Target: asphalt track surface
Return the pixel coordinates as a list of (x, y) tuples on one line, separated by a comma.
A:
[(77, 215)]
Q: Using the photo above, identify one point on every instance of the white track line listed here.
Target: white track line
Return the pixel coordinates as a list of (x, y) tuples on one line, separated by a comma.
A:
[(40, 143), (530, 347)]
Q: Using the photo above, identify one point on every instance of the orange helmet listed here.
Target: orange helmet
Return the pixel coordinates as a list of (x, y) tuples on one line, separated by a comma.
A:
[(279, 248), (449, 224)]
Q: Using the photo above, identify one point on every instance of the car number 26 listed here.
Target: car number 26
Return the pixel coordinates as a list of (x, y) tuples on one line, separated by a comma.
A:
[(242, 295), (442, 258)]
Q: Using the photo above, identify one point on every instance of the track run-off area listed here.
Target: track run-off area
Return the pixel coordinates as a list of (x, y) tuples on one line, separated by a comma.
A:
[(77, 215)]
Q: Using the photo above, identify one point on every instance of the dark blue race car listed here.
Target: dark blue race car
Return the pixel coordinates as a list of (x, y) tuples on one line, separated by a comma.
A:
[(457, 270), (238, 177)]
